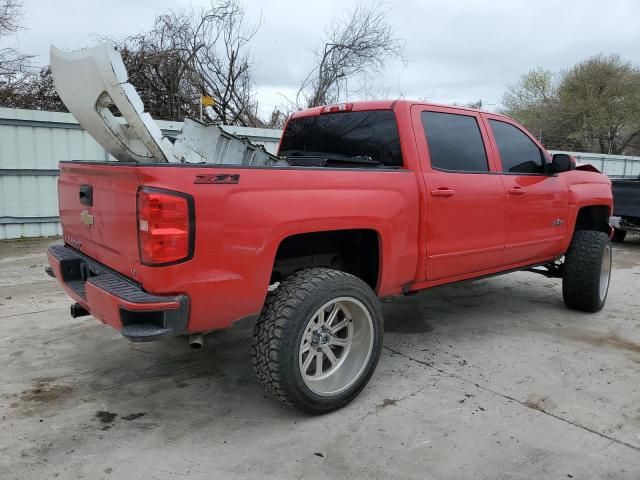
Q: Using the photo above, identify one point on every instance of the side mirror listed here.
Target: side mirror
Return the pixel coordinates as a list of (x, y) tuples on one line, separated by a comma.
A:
[(562, 162)]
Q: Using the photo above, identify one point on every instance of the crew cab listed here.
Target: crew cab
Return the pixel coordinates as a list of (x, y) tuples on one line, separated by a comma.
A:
[(367, 200)]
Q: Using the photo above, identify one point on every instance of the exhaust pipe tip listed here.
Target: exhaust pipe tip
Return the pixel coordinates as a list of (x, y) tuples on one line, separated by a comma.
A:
[(196, 342), (78, 310)]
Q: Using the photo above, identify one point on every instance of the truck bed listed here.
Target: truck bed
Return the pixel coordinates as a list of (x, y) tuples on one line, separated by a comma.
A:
[(240, 218)]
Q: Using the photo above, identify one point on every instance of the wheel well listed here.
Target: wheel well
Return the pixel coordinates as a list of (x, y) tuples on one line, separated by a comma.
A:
[(352, 251), (593, 217)]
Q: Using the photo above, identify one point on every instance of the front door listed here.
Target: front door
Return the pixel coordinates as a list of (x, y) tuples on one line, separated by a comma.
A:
[(537, 203), (465, 206)]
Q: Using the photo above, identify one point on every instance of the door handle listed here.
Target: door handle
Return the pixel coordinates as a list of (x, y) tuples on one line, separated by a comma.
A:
[(517, 191), (86, 195), (442, 192)]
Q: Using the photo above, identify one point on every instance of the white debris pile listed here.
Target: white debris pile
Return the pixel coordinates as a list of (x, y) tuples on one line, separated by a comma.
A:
[(93, 82), (199, 143)]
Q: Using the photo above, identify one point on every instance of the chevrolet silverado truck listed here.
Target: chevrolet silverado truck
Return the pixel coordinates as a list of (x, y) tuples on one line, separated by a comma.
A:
[(365, 200)]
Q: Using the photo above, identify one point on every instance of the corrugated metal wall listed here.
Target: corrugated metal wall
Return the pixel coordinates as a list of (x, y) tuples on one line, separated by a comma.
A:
[(31, 145)]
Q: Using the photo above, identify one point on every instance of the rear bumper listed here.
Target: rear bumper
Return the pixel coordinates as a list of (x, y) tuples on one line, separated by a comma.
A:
[(116, 300)]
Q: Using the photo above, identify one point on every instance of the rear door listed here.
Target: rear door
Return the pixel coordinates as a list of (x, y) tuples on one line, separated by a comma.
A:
[(465, 206), (537, 203)]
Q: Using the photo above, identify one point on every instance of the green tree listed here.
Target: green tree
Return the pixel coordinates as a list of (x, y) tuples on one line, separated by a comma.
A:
[(593, 106), (534, 102), (600, 97)]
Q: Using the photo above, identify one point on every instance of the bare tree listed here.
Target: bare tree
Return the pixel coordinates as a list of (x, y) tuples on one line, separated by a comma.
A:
[(10, 16), (354, 45), (158, 65), (185, 55), (12, 62), (277, 118), (35, 91), (193, 53), (223, 65)]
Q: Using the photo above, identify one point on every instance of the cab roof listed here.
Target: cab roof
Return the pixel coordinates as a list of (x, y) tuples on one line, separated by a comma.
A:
[(364, 105)]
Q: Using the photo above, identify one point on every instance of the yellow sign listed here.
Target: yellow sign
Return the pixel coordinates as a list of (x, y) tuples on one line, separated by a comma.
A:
[(207, 101)]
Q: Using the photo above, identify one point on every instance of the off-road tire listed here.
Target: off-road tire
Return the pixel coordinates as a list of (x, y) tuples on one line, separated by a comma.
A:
[(279, 330), (618, 235), (583, 265)]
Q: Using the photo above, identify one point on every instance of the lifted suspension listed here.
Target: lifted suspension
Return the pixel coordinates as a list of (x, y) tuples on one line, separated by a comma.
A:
[(550, 270)]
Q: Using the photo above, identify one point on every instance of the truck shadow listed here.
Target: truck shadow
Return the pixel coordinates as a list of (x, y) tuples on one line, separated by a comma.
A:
[(484, 301), (177, 393), (225, 358)]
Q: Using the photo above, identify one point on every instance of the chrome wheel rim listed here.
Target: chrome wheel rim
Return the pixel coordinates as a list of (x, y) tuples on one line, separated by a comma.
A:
[(336, 346), (605, 272)]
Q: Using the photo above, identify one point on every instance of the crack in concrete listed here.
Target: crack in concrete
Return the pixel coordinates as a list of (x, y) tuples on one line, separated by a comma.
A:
[(512, 399), (395, 401), (29, 313)]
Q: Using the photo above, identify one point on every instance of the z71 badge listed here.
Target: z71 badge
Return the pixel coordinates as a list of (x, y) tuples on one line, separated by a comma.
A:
[(218, 178)]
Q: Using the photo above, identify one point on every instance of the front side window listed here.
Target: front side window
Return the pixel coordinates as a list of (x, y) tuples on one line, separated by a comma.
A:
[(455, 142), (517, 152), (372, 134)]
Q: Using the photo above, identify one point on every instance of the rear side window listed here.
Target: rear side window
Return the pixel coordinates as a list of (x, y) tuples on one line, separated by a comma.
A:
[(371, 133), (517, 152), (455, 142)]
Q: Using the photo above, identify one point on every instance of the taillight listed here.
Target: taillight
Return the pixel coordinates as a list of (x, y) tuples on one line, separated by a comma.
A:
[(165, 226), (339, 107)]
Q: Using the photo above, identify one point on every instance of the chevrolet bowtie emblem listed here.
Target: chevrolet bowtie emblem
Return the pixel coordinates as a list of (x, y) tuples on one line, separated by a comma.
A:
[(86, 218)]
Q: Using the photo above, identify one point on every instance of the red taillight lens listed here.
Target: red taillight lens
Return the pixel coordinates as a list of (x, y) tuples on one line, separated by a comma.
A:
[(339, 107), (165, 232)]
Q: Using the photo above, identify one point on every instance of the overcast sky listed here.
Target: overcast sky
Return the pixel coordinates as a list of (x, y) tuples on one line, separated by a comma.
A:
[(457, 50)]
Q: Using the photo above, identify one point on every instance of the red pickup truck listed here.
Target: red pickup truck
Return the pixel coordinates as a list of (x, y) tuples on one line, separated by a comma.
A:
[(372, 199)]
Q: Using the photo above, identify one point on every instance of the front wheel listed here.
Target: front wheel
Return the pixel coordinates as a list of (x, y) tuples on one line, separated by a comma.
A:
[(587, 271), (318, 340)]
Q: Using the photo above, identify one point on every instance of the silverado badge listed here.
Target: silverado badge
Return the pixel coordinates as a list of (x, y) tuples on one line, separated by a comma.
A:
[(86, 218)]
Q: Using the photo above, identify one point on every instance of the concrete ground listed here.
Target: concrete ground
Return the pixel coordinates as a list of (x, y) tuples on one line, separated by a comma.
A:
[(494, 379)]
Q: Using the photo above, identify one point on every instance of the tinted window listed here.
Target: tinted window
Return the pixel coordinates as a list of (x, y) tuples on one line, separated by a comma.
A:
[(454, 142), (370, 133), (517, 152)]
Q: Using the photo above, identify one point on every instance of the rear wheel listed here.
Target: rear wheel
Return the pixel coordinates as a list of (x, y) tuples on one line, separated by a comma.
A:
[(618, 235), (587, 271), (318, 340)]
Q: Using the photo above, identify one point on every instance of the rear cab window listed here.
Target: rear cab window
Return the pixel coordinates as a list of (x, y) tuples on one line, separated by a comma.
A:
[(455, 142), (518, 153), (363, 138)]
